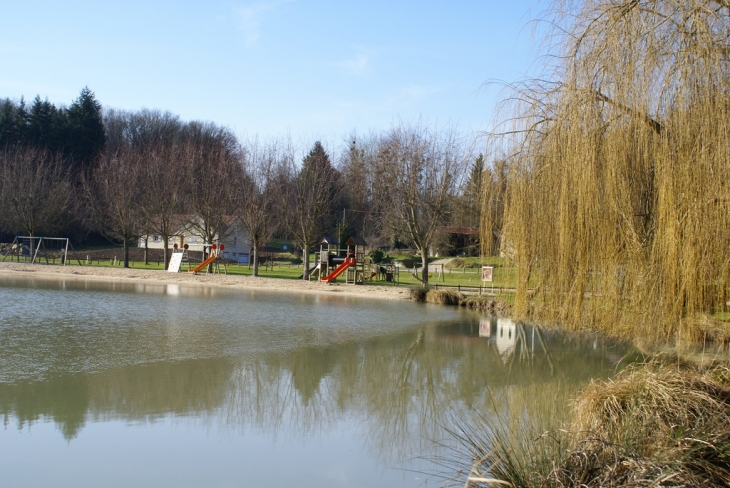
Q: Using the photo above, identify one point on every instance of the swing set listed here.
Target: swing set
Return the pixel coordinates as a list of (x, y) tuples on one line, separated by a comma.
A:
[(31, 249)]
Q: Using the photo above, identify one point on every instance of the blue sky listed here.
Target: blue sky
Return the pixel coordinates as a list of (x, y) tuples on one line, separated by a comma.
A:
[(306, 68)]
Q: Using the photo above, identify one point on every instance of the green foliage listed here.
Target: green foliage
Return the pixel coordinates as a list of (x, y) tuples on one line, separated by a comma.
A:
[(376, 255), (409, 261)]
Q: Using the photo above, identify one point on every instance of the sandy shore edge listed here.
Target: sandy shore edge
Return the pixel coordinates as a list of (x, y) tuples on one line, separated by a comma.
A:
[(228, 281)]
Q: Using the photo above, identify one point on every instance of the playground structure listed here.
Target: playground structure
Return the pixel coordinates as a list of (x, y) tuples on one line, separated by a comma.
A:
[(384, 272), (333, 261), (32, 249), (215, 258)]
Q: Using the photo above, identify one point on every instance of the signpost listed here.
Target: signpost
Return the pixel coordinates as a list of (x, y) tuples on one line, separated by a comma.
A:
[(487, 273)]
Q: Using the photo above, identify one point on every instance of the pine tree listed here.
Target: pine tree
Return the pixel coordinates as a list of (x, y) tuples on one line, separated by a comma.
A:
[(45, 126), (473, 193), (9, 128), (316, 188), (85, 130)]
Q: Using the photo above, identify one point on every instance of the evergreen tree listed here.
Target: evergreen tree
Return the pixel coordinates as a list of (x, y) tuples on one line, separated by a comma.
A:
[(316, 189), (473, 193), (85, 134), (9, 128), (356, 193), (45, 126)]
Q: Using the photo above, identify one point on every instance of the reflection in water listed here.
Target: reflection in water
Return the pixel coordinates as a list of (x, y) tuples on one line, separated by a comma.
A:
[(287, 365)]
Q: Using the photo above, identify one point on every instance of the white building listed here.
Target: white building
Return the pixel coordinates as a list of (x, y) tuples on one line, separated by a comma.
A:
[(236, 240)]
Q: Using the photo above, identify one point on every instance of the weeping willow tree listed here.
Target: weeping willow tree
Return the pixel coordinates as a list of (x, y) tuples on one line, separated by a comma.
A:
[(617, 212)]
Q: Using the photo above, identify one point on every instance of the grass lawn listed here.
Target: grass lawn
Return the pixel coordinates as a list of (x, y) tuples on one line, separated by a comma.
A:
[(502, 277)]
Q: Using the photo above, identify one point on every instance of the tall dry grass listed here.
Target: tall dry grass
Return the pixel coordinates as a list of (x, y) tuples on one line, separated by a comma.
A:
[(653, 425), (444, 297), (618, 202), (657, 425)]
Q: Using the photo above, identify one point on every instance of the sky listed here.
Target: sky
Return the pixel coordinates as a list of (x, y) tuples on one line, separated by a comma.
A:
[(311, 69)]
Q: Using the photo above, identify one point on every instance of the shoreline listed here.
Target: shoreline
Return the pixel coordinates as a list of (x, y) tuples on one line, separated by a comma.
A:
[(132, 275)]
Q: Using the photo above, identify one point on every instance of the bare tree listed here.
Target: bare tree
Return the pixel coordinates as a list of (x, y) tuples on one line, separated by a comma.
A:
[(261, 194), (417, 173), (163, 197), (113, 194), (142, 133), (214, 175), (36, 191)]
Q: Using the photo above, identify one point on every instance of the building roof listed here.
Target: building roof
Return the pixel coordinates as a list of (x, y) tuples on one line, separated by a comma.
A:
[(330, 240), (355, 241)]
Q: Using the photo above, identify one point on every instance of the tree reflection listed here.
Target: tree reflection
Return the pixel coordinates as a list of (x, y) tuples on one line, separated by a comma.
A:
[(133, 392), (400, 388)]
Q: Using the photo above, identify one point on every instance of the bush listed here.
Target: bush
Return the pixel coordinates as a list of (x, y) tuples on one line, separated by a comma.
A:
[(409, 262), (444, 297), (418, 294), (492, 305), (376, 255)]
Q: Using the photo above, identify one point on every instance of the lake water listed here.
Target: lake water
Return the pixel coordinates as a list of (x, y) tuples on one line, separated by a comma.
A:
[(109, 384)]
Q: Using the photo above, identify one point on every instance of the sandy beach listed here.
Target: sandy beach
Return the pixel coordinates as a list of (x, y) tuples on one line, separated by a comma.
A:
[(217, 280)]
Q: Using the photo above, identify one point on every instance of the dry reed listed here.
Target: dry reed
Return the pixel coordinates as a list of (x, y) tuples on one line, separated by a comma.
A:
[(617, 202), (492, 305), (417, 294), (653, 425), (444, 297)]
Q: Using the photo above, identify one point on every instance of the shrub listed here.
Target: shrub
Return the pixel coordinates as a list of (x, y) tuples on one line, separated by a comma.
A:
[(376, 255), (418, 294), (444, 297)]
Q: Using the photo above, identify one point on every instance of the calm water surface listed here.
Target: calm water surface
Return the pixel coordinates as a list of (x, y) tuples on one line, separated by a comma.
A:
[(106, 384)]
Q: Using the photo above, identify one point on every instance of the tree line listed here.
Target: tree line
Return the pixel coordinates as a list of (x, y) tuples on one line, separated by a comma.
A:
[(131, 174)]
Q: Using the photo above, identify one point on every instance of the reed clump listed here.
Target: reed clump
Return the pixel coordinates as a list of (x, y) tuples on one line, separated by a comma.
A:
[(488, 304), (656, 425), (617, 207), (444, 297), (652, 425), (417, 294)]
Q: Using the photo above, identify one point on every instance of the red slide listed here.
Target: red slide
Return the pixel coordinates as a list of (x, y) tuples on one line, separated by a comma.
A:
[(339, 269)]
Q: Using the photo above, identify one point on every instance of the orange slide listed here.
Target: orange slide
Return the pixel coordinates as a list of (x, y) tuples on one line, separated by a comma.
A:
[(339, 269), (205, 263)]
